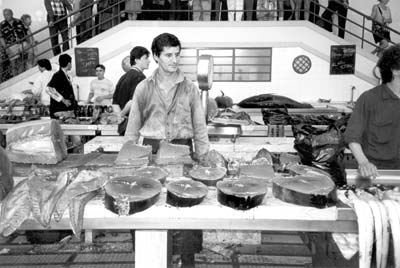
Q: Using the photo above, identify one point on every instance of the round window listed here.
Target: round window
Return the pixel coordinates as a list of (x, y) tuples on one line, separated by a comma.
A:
[(301, 64)]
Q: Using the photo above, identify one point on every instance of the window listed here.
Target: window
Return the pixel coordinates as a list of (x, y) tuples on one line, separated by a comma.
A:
[(231, 64)]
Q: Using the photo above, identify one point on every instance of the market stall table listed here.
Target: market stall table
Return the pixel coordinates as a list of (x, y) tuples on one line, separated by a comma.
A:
[(69, 129), (151, 225), (241, 147)]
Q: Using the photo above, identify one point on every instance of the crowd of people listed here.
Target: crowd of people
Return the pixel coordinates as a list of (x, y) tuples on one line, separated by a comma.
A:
[(16, 43), (91, 17)]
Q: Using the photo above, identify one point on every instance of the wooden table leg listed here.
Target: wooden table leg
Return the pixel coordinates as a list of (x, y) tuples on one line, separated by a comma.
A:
[(152, 249)]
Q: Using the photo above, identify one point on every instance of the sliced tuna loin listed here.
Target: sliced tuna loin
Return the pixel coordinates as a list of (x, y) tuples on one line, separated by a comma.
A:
[(170, 154), (86, 181), (208, 176), (313, 191), (40, 142), (45, 189), (306, 170), (286, 159), (265, 172), (214, 159), (132, 154), (150, 172), (77, 210), (6, 172), (185, 193), (128, 195), (263, 156), (15, 208), (241, 194)]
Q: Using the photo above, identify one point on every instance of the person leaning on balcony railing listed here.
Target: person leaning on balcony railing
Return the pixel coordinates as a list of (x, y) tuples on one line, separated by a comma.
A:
[(179, 10), (381, 16), (336, 6), (199, 10), (267, 10), (12, 38), (83, 19), (58, 23), (133, 8), (27, 21), (235, 5)]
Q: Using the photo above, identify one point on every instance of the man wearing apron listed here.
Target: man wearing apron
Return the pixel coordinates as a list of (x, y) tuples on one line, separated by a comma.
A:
[(167, 106)]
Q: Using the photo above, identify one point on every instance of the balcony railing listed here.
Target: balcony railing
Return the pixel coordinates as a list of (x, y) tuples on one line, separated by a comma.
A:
[(357, 28)]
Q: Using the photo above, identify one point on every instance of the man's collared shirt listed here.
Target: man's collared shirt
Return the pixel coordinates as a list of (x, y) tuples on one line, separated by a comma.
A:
[(12, 32), (58, 8), (375, 124), (152, 117)]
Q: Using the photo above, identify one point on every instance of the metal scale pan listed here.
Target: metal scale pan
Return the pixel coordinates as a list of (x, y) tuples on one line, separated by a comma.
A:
[(205, 71)]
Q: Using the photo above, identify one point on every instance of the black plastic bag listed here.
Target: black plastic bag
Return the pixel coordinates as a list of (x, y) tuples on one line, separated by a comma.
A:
[(275, 116), (322, 148)]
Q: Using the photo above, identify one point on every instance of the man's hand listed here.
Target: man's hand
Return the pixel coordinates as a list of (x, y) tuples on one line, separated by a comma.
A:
[(99, 99), (120, 118), (368, 170), (66, 102)]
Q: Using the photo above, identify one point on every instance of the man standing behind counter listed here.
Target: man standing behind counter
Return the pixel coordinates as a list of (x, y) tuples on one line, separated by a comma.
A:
[(167, 106), (60, 88), (126, 86), (373, 132), (101, 88)]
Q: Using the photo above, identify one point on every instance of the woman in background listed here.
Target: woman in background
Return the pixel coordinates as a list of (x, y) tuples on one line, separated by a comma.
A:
[(381, 17)]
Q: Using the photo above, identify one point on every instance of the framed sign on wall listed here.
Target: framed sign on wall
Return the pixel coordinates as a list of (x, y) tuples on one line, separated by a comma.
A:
[(343, 59), (86, 59)]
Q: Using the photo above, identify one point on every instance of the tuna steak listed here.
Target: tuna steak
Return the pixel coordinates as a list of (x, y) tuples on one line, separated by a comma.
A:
[(185, 193), (128, 195)]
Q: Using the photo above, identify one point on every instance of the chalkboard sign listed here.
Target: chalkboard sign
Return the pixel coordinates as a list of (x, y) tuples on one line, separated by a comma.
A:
[(343, 59), (86, 59)]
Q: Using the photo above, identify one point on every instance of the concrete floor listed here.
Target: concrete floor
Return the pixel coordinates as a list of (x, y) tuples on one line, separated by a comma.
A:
[(114, 249)]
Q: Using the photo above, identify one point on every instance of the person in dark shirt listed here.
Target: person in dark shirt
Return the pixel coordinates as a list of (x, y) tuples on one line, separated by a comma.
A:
[(60, 88), (373, 132), (139, 59), (336, 6), (13, 38)]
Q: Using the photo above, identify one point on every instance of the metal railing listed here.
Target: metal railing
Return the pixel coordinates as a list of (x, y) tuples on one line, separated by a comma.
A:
[(357, 28)]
